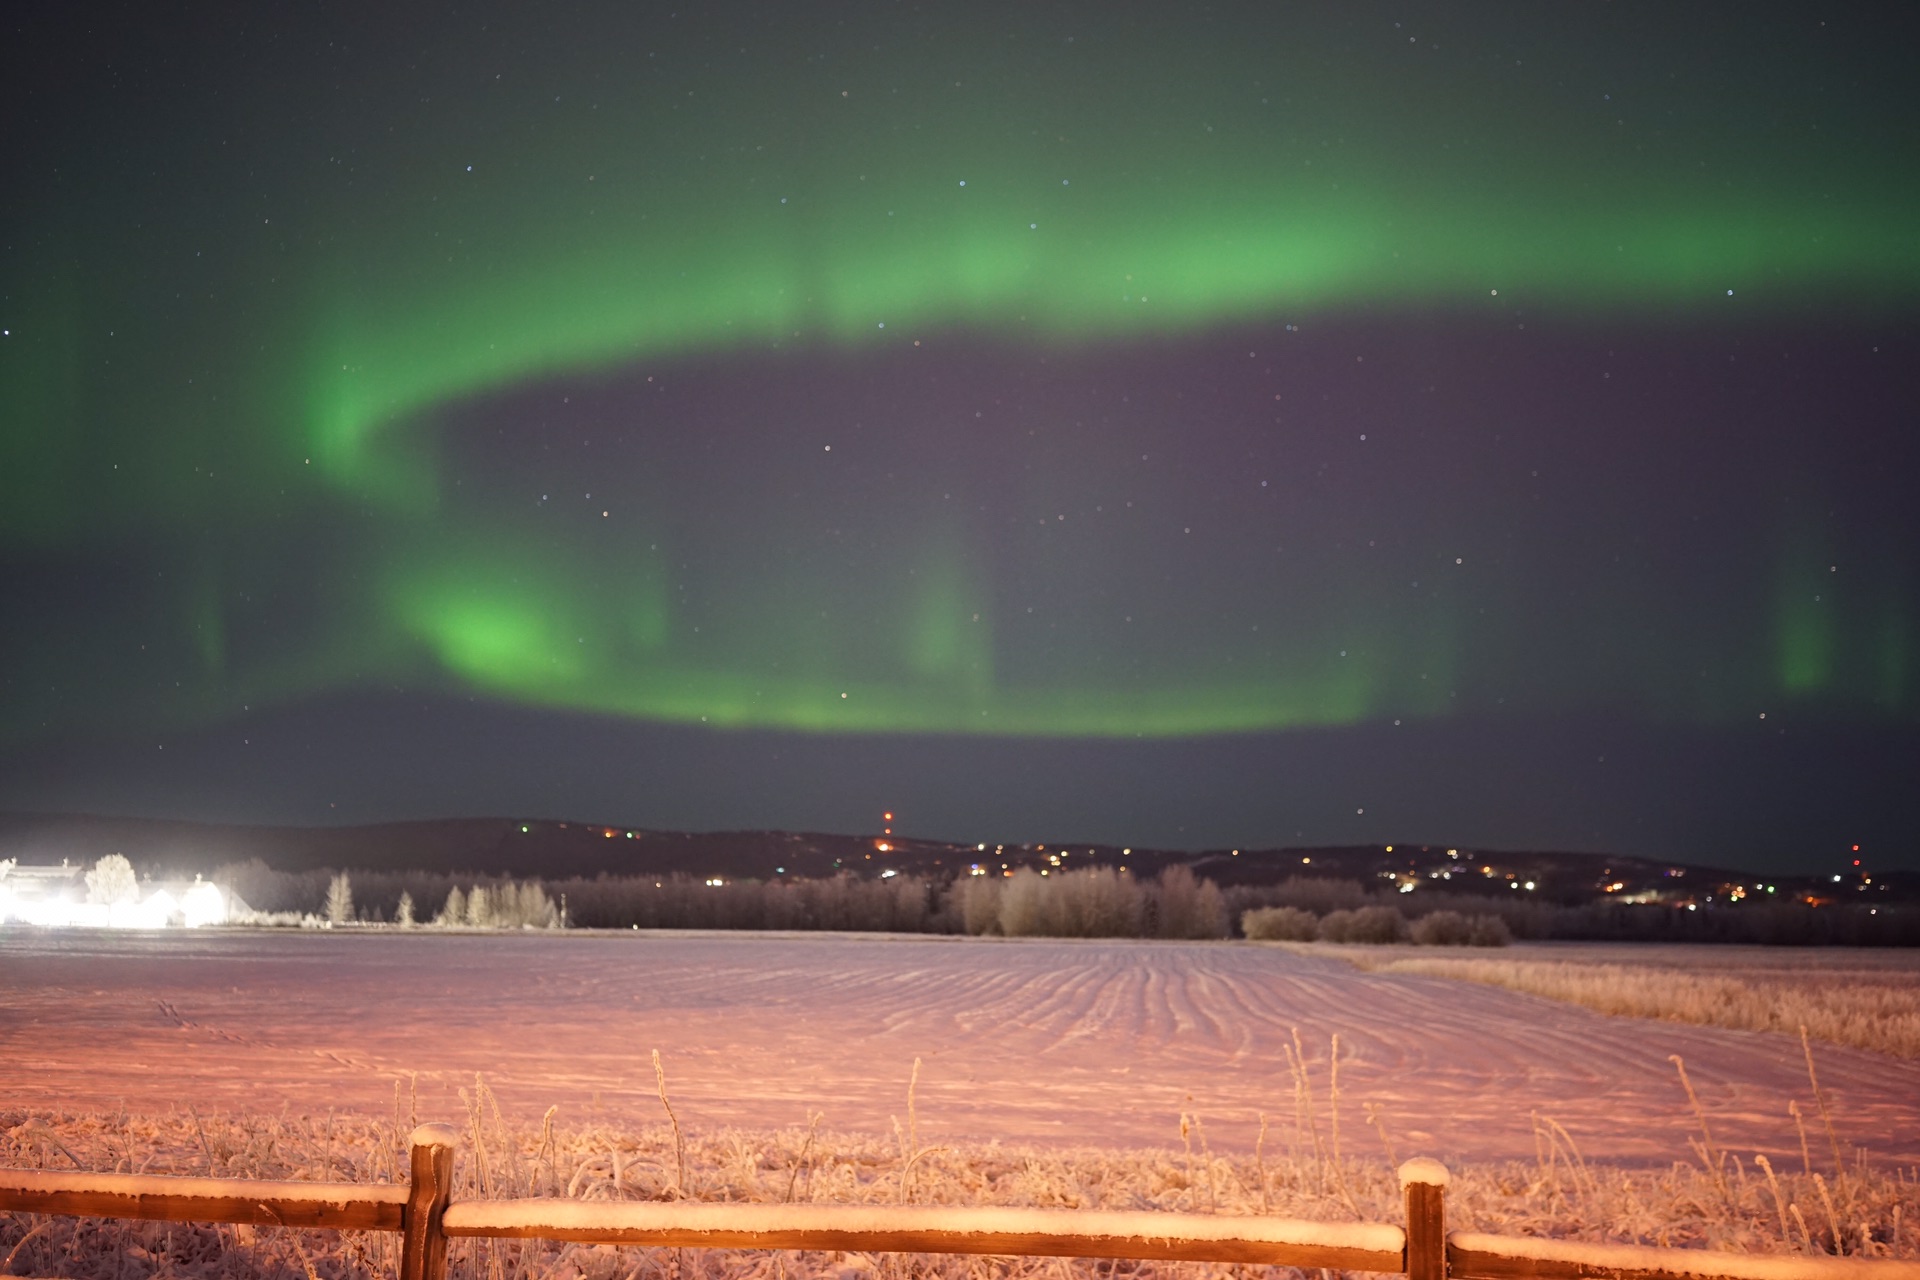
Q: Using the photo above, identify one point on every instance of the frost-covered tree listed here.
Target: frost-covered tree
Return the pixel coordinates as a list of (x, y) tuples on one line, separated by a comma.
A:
[(403, 913), (454, 911), (1186, 907), (339, 899), (480, 908), (1096, 902), (980, 904), (1023, 907), (536, 907), (112, 880)]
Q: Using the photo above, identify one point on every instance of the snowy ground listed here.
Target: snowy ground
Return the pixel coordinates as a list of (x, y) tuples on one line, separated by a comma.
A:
[(1032, 1041)]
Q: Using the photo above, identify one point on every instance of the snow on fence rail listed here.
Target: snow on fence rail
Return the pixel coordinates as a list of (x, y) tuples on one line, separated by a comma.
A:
[(421, 1212)]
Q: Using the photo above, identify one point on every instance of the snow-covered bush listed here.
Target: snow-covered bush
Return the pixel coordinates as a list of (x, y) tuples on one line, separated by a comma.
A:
[(1368, 924), (1280, 924), (1488, 931), (1441, 929)]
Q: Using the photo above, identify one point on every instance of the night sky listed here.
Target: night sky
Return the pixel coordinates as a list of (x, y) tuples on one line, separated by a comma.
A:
[(1252, 424)]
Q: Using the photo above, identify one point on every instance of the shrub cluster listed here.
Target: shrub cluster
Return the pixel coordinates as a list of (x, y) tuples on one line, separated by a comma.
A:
[(1093, 902), (1525, 917), (1374, 924), (1453, 929)]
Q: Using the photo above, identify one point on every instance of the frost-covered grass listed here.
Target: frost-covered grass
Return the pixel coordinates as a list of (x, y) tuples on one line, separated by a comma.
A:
[(1296, 1168), (1863, 1007)]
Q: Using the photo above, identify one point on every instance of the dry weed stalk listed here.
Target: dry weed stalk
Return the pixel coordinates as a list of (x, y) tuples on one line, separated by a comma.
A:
[(1303, 1106), (1333, 1111), (1779, 1201), (1376, 1118), (1800, 1127), (813, 1128), (1826, 1117), (679, 1142), (1709, 1155), (1554, 1146), (1260, 1163), (910, 1149)]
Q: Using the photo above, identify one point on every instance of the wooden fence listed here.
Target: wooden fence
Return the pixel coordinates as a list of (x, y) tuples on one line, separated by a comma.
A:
[(424, 1215)]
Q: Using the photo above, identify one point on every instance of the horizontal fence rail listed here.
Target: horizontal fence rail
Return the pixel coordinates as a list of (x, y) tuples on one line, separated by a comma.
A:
[(1472, 1255), (422, 1212), (340, 1206), (1185, 1237)]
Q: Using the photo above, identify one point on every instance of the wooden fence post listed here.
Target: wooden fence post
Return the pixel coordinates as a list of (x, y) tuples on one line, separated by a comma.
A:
[(1425, 1182), (423, 1245)]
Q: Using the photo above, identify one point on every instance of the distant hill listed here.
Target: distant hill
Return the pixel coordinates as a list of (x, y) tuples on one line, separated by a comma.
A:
[(547, 848)]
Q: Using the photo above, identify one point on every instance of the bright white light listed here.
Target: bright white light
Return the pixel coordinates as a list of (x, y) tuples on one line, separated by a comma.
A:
[(204, 904), (152, 912)]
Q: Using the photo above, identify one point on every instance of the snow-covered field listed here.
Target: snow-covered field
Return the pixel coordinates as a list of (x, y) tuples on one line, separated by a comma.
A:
[(1049, 1042)]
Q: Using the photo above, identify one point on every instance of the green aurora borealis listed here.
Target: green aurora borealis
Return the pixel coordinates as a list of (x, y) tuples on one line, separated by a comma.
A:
[(1056, 372)]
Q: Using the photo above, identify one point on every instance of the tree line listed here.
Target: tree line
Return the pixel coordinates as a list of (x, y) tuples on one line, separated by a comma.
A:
[(1092, 902)]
